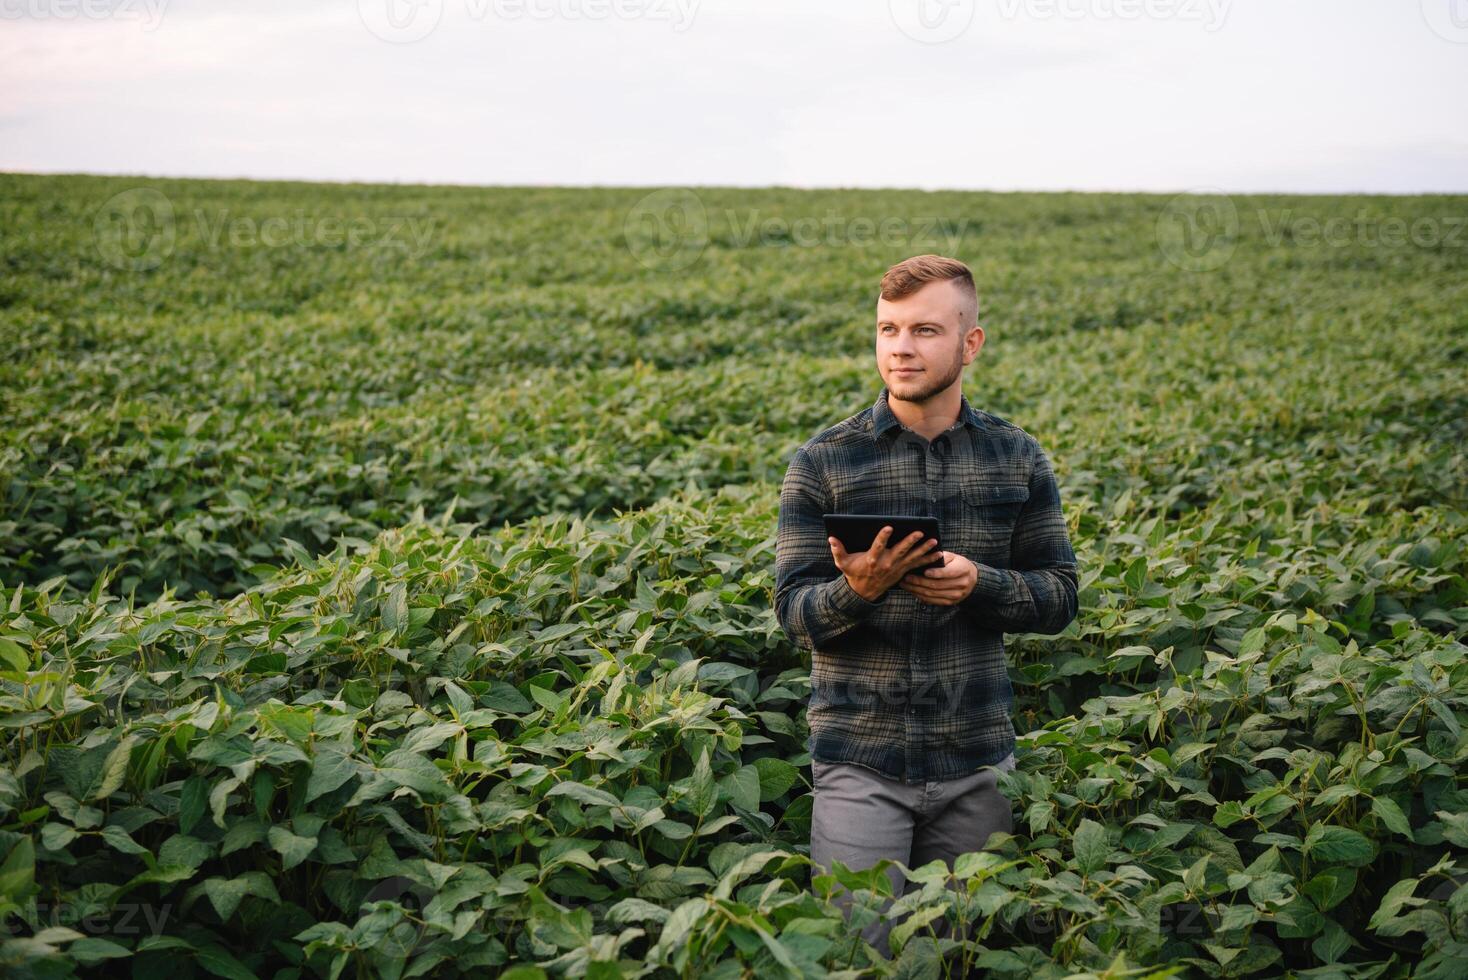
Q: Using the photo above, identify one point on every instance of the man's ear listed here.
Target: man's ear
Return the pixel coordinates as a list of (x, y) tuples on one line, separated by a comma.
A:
[(975, 329)]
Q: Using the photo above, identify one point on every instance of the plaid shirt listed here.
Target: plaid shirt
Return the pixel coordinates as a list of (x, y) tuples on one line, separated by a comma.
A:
[(916, 691)]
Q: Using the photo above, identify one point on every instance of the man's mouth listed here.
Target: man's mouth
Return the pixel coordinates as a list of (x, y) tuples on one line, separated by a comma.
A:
[(906, 370)]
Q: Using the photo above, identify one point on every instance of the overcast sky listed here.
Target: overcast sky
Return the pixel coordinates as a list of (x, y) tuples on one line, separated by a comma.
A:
[(1160, 95)]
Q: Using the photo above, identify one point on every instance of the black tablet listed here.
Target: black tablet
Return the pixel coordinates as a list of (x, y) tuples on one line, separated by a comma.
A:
[(856, 532)]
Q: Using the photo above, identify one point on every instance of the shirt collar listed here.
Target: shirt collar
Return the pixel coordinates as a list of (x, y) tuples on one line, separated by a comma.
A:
[(883, 419)]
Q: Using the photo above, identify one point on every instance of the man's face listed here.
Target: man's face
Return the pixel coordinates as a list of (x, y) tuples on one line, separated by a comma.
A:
[(921, 347)]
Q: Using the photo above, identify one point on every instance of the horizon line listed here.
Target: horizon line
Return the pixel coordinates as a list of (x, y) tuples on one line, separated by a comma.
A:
[(1198, 189)]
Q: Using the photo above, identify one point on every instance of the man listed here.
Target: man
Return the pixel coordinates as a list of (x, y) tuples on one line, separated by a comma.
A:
[(910, 696)]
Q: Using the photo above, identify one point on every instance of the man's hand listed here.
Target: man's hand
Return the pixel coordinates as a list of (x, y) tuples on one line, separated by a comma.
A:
[(872, 572), (946, 586)]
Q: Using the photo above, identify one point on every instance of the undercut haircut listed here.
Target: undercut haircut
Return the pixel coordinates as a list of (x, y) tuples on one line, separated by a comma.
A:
[(910, 275)]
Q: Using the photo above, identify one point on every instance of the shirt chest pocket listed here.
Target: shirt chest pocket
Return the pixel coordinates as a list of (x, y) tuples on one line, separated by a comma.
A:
[(984, 517)]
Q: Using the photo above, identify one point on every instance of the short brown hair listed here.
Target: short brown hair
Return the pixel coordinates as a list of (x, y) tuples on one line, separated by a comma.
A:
[(910, 275)]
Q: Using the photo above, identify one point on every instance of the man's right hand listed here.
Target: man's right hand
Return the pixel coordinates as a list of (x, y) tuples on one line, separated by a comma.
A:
[(872, 572)]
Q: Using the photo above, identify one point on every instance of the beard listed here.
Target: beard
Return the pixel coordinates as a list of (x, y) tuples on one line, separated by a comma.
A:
[(924, 388)]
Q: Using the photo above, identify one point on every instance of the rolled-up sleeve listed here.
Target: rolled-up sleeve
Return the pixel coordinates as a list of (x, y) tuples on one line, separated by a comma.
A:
[(1037, 593), (813, 601)]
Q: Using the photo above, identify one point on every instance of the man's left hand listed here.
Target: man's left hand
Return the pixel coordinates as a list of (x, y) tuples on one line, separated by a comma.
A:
[(946, 586)]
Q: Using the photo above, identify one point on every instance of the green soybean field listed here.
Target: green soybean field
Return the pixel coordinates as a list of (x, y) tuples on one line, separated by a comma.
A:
[(386, 580)]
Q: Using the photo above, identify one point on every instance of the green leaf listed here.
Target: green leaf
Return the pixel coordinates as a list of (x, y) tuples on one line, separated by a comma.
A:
[(331, 768), (1330, 887), (743, 787), (1300, 919), (91, 950), (180, 850), (546, 698), (1196, 876), (120, 840), (557, 632), (220, 962), (459, 698), (703, 792), (18, 872), (193, 801), (1331, 945), (395, 608), (404, 768), (502, 696), (583, 794), (920, 918), (113, 770), (242, 833), (1391, 815), (12, 656), (55, 836), (523, 972), (1455, 826), (1339, 845), (1229, 814), (630, 910), (776, 776), (566, 929), (1091, 847), (1136, 574), (1395, 898), (681, 922), (980, 864), (747, 865), (292, 848), (225, 894)]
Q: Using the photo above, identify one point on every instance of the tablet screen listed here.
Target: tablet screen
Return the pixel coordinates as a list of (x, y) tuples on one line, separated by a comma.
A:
[(856, 532)]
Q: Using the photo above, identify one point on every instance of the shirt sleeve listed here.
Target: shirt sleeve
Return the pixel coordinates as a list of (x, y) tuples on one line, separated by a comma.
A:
[(813, 600), (1037, 593)]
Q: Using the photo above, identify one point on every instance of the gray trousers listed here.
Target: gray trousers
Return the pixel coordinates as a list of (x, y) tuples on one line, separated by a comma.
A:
[(860, 816)]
